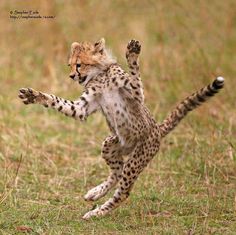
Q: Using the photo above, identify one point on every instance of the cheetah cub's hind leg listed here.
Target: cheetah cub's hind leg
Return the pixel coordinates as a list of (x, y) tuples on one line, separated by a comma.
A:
[(111, 153), (137, 161)]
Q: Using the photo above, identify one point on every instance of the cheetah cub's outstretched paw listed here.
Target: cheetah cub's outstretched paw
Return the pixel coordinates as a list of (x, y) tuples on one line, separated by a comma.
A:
[(30, 96), (133, 47)]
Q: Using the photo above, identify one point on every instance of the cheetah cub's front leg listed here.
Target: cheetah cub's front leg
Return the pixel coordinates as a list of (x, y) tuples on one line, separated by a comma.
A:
[(132, 53), (78, 109)]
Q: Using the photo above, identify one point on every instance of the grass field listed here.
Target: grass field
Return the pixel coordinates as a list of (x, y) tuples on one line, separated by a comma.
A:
[(48, 161)]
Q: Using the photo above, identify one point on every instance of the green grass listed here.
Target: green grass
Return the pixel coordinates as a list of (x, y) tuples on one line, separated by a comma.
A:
[(48, 161)]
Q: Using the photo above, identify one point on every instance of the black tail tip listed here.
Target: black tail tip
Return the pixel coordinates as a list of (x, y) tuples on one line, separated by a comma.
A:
[(218, 83)]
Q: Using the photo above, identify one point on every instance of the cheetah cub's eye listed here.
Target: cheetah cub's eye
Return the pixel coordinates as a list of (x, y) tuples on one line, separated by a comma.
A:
[(78, 66)]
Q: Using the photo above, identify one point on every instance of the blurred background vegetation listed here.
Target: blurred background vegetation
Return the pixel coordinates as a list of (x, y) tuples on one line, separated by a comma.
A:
[(48, 161)]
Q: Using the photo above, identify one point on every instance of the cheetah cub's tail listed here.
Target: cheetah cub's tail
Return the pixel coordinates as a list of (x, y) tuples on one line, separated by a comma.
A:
[(188, 104)]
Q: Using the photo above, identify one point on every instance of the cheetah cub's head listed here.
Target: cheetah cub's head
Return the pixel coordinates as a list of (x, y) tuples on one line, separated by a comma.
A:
[(88, 60)]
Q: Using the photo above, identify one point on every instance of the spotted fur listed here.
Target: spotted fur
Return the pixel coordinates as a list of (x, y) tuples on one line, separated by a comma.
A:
[(119, 96)]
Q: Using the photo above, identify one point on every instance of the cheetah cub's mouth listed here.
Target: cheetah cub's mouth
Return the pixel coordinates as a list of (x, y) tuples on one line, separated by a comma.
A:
[(82, 79), (79, 78)]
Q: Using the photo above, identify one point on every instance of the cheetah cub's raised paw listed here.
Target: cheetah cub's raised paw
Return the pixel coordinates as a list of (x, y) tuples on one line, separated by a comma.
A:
[(30, 96), (133, 47)]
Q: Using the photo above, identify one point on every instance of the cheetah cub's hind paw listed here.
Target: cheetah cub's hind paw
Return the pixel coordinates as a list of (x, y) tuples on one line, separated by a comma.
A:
[(96, 192), (133, 47), (94, 213)]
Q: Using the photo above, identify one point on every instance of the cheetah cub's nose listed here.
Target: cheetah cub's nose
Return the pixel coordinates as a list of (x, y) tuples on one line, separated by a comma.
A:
[(72, 76)]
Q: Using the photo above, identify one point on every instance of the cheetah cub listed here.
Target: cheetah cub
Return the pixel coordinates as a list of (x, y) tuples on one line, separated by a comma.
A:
[(119, 96)]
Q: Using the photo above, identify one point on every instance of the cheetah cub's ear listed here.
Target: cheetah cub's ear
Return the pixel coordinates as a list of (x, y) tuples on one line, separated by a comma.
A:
[(99, 46), (74, 47)]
